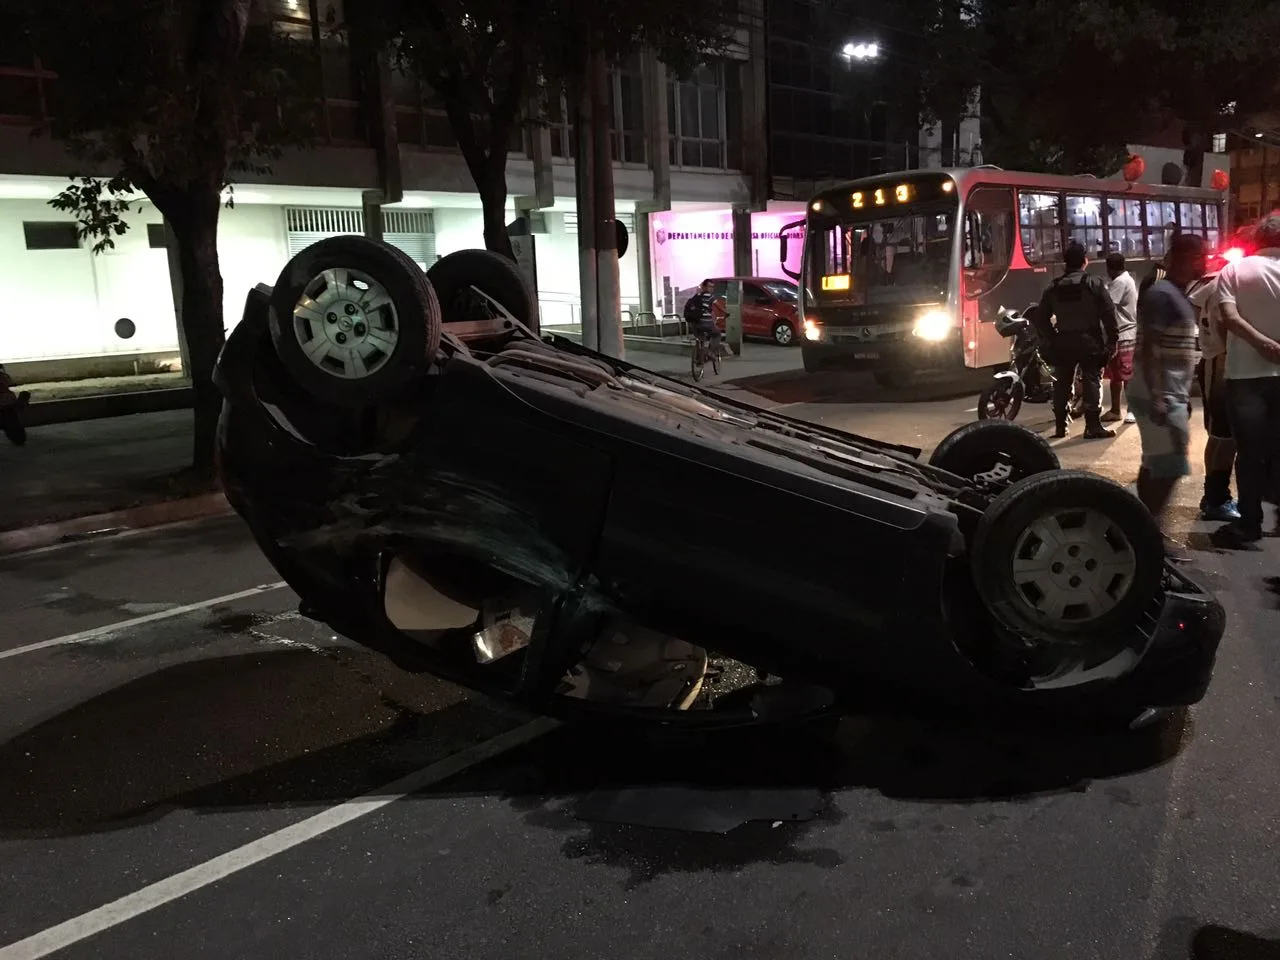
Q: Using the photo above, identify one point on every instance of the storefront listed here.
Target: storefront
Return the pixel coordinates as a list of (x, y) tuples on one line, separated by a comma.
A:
[(690, 246)]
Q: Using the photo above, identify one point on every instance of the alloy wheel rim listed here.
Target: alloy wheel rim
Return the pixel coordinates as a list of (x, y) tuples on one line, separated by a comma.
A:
[(346, 323)]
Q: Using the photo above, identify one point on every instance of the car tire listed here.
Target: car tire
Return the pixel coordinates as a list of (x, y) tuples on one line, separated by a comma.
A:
[(1072, 565), (994, 451), (784, 334), (397, 337), (454, 275)]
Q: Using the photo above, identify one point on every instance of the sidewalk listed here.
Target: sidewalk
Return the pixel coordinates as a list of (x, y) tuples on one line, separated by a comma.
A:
[(95, 466), (757, 360)]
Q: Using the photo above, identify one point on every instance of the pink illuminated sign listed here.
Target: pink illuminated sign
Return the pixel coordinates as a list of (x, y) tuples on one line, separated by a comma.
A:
[(688, 247)]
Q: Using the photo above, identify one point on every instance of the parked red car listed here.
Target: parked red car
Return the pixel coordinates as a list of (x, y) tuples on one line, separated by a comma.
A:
[(769, 307)]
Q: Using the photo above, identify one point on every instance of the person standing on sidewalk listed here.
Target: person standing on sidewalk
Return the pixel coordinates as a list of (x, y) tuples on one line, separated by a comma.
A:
[(1249, 298), (1163, 369), (1082, 334), (1220, 448), (1124, 294)]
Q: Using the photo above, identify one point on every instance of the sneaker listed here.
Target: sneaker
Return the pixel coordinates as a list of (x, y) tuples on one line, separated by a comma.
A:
[(1130, 418), (1236, 534), (1220, 513), (1110, 417)]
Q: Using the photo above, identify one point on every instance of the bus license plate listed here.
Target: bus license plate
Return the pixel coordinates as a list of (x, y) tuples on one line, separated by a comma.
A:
[(866, 356)]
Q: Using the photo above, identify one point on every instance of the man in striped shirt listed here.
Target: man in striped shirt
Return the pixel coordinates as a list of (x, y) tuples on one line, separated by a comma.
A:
[(1164, 369)]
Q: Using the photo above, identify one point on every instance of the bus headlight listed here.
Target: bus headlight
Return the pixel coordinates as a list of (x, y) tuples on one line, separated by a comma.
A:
[(933, 326), (812, 330)]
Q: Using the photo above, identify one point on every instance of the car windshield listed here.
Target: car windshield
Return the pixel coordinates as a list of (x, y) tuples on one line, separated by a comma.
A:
[(783, 290), (903, 259)]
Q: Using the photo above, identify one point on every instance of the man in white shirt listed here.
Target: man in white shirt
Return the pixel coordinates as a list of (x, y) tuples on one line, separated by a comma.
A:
[(1249, 298), (1220, 449), (1124, 294)]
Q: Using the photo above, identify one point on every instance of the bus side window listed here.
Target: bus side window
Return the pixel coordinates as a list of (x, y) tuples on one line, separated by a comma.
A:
[(1084, 224), (1124, 227), (988, 238), (1041, 227)]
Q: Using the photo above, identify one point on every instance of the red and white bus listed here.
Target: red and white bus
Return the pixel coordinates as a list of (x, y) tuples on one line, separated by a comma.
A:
[(906, 272)]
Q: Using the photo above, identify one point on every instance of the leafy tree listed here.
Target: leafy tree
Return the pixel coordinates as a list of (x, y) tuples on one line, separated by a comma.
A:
[(170, 99), (1067, 86), (489, 59)]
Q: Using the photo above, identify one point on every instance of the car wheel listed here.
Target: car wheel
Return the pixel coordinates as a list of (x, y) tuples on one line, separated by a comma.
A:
[(994, 451), (454, 276), (784, 334), (354, 321), (1072, 565)]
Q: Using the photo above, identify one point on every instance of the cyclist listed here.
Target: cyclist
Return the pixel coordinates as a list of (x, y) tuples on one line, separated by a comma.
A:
[(699, 313)]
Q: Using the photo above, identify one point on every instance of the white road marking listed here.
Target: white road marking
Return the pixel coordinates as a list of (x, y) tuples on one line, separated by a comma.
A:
[(202, 875), (104, 631)]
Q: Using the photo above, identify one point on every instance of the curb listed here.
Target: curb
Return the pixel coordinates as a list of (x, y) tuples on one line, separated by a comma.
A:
[(115, 522), (100, 406)]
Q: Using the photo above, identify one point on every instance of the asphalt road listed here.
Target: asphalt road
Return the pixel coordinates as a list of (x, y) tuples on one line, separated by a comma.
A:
[(185, 713)]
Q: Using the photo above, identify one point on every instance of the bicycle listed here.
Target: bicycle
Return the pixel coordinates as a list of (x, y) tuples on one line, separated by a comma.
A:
[(702, 350)]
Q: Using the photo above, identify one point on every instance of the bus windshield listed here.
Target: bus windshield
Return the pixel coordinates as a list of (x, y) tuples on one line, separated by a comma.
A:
[(882, 259)]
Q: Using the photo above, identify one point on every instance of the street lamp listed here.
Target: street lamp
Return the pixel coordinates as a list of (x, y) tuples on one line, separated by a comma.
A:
[(861, 51)]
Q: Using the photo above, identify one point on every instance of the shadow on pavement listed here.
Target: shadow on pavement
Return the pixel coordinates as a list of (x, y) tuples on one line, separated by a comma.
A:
[(832, 387), (285, 728), (247, 731), (1213, 942)]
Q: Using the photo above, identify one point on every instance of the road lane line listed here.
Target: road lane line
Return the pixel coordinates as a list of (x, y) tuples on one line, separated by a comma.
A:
[(142, 901), (110, 628)]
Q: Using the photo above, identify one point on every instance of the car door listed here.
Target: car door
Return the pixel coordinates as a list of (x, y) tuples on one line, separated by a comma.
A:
[(759, 312)]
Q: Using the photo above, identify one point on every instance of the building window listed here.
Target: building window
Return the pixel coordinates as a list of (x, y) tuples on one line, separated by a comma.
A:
[(1084, 224), (627, 93), (1041, 217), (51, 235), (696, 111), (155, 236), (1219, 143)]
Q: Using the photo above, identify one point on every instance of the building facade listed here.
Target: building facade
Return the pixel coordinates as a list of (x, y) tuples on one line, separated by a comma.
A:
[(72, 298), (708, 168)]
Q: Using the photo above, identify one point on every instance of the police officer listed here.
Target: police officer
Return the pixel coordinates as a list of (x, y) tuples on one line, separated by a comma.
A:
[(1077, 325)]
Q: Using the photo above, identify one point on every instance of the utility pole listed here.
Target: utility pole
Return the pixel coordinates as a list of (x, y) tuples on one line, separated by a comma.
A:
[(584, 182)]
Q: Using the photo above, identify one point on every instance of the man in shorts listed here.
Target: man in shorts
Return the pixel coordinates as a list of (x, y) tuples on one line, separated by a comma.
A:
[(1163, 369), (1220, 449), (1249, 298), (1119, 371)]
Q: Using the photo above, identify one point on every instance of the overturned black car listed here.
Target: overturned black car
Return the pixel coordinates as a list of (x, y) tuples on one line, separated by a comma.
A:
[(585, 538)]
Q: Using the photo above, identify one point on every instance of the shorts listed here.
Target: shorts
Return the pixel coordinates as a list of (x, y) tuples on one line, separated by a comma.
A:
[(1164, 446), (1120, 369), (1212, 375)]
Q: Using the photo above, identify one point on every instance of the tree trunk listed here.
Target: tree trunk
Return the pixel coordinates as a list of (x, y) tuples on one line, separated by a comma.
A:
[(194, 217), (493, 197)]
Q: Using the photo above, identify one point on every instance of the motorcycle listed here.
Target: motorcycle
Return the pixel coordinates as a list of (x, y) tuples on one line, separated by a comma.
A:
[(1029, 378), (11, 407)]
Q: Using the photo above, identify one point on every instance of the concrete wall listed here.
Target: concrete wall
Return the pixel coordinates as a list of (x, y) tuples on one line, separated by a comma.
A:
[(64, 303)]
